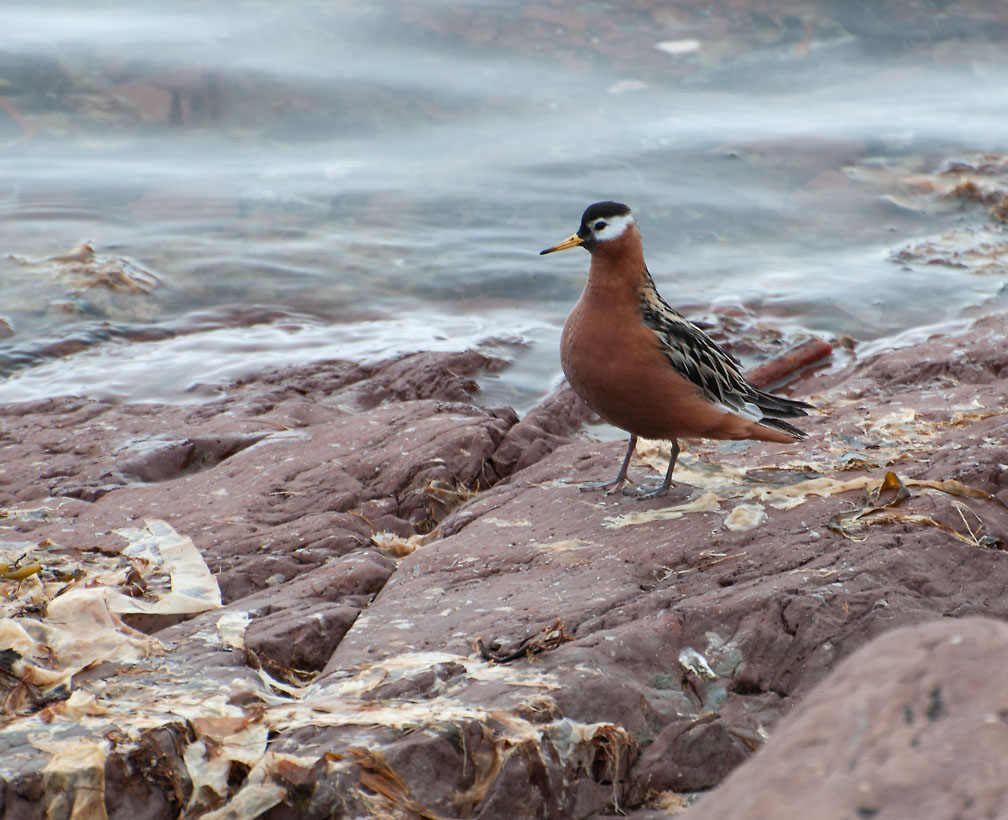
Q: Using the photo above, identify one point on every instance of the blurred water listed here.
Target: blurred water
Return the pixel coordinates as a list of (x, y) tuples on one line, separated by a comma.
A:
[(325, 179)]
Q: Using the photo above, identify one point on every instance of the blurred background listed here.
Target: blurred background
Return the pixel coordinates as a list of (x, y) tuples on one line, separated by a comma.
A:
[(192, 191)]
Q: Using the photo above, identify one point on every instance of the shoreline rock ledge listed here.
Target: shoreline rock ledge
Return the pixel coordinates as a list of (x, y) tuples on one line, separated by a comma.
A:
[(351, 591)]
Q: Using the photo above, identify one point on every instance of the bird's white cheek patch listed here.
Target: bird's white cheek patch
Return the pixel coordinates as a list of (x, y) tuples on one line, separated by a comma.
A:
[(615, 227)]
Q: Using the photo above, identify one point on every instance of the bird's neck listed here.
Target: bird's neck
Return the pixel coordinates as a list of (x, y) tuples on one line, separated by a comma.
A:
[(617, 269)]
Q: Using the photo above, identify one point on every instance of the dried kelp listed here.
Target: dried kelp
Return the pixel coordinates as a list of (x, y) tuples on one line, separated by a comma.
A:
[(542, 641), (62, 612), (883, 505)]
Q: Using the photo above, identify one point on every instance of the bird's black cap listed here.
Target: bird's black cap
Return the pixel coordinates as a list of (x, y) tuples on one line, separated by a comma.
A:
[(603, 210)]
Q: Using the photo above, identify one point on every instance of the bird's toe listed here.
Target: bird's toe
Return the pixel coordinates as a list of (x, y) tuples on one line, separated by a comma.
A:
[(610, 487)]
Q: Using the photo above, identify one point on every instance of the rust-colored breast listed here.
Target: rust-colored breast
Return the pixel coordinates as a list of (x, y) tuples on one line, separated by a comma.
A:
[(614, 364)]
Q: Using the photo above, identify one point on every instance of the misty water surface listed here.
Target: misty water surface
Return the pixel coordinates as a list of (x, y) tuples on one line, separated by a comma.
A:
[(275, 183)]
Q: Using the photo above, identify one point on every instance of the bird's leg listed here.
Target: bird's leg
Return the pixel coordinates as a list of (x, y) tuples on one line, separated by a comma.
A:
[(617, 483), (661, 489)]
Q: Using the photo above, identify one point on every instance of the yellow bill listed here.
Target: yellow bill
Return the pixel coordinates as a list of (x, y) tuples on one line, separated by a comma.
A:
[(572, 241)]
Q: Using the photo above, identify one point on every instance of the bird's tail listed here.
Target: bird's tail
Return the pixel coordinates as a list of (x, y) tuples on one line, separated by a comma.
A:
[(784, 427), (776, 408)]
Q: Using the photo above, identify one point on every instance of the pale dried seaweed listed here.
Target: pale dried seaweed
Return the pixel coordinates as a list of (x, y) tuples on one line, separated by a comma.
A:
[(58, 628), (882, 505), (221, 738), (901, 435)]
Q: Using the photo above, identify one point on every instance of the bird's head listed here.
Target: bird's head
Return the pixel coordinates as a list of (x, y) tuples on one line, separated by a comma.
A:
[(601, 222)]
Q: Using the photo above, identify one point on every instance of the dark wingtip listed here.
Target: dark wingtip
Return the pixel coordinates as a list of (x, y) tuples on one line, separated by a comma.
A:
[(779, 406), (784, 427)]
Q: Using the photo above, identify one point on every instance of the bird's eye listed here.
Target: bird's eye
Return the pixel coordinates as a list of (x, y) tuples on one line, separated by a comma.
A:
[(599, 225)]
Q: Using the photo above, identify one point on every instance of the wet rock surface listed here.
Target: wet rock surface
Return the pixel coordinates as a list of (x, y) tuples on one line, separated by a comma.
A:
[(376, 535), (908, 726)]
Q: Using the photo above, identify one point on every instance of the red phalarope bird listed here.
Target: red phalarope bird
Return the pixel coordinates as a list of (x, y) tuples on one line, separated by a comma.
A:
[(644, 367)]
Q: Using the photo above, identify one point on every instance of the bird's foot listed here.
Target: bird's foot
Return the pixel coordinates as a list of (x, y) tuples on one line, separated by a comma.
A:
[(650, 491), (610, 487)]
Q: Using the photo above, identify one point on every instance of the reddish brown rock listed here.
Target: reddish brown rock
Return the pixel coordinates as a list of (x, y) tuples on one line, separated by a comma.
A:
[(546, 426), (264, 494), (911, 725), (299, 638), (676, 632)]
